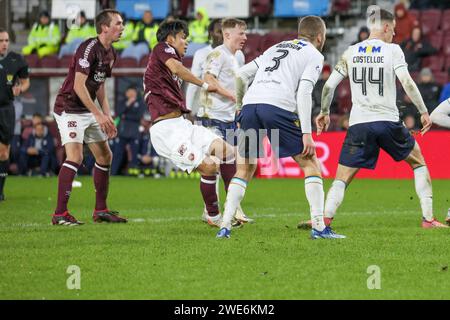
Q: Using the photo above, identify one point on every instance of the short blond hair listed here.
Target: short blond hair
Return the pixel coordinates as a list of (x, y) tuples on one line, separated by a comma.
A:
[(310, 27), (230, 23)]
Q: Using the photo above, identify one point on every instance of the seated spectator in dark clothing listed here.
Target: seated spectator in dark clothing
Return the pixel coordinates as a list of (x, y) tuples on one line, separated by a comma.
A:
[(429, 89), (363, 34), (416, 48), (38, 151), (130, 113), (404, 24)]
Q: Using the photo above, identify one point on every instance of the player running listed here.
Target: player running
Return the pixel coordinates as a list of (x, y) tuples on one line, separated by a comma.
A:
[(79, 120), (217, 112), (280, 101), (372, 66), (189, 147), (441, 117)]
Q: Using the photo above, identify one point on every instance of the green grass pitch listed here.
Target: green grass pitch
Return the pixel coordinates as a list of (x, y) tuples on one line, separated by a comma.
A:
[(166, 252)]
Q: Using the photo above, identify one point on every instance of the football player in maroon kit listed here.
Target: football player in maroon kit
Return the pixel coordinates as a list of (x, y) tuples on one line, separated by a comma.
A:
[(80, 120), (190, 147)]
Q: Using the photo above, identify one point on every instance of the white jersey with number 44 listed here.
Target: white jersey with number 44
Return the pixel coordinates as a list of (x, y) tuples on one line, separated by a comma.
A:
[(371, 66), (280, 70)]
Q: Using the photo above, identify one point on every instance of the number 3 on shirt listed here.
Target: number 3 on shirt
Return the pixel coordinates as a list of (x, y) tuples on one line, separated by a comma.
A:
[(277, 59)]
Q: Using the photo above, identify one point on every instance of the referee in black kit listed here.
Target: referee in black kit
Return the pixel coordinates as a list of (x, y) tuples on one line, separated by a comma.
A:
[(13, 81)]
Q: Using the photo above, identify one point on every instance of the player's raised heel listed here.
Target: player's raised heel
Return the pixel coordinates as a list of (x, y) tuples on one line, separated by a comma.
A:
[(224, 233), (108, 216), (326, 233), (433, 224)]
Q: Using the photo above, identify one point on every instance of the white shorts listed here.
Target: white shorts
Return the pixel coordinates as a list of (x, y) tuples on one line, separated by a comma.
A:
[(185, 144), (78, 128)]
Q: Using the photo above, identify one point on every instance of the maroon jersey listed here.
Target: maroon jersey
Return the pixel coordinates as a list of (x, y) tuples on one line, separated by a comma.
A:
[(162, 89), (93, 60)]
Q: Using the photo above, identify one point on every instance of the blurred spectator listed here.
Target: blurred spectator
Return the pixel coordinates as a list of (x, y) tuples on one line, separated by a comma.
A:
[(429, 89), (44, 37), (317, 92), (37, 119), (17, 139), (148, 158), (144, 38), (416, 48), (38, 151), (363, 34), (198, 32), (130, 113), (404, 24), (445, 93), (79, 31), (127, 35)]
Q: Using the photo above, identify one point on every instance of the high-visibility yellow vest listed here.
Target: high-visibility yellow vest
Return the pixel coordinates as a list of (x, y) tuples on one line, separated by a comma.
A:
[(198, 30), (44, 35), (84, 32), (149, 33)]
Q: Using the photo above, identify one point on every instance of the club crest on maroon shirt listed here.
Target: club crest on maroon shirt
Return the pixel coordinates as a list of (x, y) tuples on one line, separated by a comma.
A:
[(73, 135), (84, 63)]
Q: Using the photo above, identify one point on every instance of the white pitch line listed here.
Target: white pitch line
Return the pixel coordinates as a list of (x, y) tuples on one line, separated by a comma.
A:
[(190, 218)]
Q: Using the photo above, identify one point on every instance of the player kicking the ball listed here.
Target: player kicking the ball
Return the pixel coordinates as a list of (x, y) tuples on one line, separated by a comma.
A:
[(372, 66), (280, 101), (79, 120), (189, 147)]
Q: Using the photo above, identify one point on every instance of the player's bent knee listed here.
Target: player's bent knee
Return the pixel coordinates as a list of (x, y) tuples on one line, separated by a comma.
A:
[(207, 168)]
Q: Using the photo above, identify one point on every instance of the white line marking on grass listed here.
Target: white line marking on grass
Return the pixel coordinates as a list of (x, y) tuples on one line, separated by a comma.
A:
[(191, 218)]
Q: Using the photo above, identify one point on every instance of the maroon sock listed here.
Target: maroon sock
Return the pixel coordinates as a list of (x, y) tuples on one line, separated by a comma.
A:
[(227, 171), (101, 183), (208, 189), (65, 178)]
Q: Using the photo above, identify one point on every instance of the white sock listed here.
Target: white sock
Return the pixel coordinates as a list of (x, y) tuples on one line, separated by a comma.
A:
[(422, 181), (315, 195), (335, 197), (236, 192)]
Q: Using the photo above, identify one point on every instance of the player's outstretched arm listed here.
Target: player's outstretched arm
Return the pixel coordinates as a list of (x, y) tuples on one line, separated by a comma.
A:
[(177, 68), (413, 93), (210, 78), (323, 119), (441, 115), (244, 76)]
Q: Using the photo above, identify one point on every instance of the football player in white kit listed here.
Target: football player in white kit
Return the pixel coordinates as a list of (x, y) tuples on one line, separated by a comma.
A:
[(441, 117), (278, 104), (372, 66)]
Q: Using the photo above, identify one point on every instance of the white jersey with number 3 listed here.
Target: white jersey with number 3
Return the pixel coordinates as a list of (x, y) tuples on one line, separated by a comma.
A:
[(371, 67), (280, 70)]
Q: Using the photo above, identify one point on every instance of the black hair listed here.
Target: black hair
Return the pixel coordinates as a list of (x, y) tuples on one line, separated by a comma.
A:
[(171, 28), (213, 24)]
